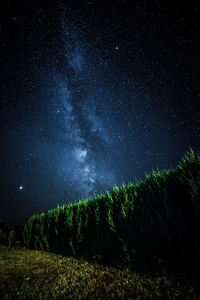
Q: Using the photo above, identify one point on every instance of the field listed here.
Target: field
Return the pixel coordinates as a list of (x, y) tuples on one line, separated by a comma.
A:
[(31, 274)]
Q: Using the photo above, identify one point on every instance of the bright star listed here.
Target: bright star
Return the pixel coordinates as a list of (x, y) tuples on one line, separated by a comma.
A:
[(117, 47), (21, 187)]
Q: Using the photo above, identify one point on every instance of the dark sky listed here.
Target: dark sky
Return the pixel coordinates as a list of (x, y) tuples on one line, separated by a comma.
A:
[(93, 95)]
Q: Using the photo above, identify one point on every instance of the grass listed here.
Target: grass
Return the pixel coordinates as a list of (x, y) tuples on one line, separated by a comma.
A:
[(31, 274)]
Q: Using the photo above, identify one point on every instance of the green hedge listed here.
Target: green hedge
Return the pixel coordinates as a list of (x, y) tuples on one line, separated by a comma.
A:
[(147, 225)]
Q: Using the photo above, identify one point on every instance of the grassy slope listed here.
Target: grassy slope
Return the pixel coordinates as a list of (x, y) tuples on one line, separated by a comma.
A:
[(27, 274)]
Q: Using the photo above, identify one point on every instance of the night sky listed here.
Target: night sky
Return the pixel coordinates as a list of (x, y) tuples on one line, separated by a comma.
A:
[(93, 94)]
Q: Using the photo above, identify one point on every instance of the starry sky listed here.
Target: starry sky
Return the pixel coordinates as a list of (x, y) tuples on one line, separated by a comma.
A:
[(93, 94)]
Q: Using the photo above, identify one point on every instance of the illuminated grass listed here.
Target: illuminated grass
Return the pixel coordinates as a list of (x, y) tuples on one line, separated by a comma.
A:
[(28, 274)]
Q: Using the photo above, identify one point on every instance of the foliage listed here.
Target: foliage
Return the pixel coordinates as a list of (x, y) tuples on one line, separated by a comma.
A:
[(5, 230), (135, 225), (27, 274), (11, 238)]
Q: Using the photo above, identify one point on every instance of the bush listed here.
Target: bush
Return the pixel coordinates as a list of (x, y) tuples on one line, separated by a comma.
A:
[(136, 225)]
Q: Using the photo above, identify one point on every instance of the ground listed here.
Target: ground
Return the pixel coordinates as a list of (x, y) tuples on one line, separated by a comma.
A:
[(27, 274)]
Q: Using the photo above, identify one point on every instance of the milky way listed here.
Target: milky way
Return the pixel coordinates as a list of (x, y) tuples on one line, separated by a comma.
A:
[(84, 134)]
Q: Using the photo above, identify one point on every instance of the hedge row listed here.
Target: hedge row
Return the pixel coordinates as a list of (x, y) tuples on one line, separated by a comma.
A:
[(146, 225)]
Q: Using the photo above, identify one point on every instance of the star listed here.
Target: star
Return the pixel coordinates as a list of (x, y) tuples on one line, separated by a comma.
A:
[(21, 187)]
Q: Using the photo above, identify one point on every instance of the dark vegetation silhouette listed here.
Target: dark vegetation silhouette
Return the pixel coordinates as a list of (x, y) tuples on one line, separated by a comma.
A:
[(6, 236), (11, 239), (151, 226), (4, 230)]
